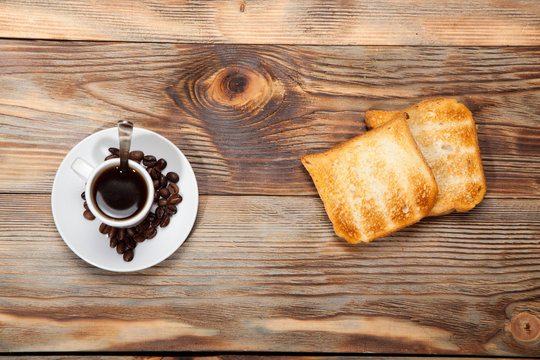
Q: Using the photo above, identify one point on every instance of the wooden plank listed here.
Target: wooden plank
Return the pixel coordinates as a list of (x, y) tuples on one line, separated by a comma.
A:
[(264, 356), (245, 114), (266, 273), (389, 22)]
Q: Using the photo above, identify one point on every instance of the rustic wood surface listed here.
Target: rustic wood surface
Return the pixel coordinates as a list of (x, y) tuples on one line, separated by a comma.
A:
[(264, 272), (254, 357), (244, 88), (245, 114), (387, 22)]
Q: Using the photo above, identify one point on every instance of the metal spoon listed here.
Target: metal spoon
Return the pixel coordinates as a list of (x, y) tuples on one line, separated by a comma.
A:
[(125, 129)]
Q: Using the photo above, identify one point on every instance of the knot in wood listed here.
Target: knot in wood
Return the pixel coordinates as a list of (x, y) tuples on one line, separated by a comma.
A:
[(525, 327), (231, 85), (245, 88), (234, 83)]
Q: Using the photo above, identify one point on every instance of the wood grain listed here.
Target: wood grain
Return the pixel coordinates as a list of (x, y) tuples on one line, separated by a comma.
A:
[(244, 115), (315, 22), (265, 273), (262, 274), (244, 356)]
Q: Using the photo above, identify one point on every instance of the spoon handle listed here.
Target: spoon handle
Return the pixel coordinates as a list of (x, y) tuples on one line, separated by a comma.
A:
[(125, 129)]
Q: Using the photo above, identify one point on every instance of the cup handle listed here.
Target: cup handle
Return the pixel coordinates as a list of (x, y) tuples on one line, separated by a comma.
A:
[(82, 168)]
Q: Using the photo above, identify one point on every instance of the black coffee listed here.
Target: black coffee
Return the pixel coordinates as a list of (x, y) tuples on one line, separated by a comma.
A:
[(120, 194)]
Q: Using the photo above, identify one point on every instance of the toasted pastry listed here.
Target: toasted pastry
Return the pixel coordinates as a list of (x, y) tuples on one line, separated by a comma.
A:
[(375, 183), (446, 135)]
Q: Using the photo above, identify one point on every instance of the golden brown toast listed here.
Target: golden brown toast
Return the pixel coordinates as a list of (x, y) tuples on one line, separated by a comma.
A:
[(375, 183), (446, 135)]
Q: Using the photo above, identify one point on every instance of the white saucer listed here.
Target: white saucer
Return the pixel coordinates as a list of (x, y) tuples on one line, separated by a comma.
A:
[(83, 237)]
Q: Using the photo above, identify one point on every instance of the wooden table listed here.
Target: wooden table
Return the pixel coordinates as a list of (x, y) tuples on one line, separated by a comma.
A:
[(244, 88)]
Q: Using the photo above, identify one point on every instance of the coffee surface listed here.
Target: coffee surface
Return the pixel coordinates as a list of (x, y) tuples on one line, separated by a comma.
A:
[(120, 194)]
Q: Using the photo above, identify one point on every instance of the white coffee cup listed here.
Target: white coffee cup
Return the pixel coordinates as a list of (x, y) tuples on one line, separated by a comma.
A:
[(90, 175)]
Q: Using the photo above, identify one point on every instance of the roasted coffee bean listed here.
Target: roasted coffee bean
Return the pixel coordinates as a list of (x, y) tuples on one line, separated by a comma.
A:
[(138, 238), (142, 226), (128, 255), (149, 160), (139, 228), (162, 202), (173, 188), (165, 220), (172, 176), (111, 157), (136, 155), (103, 228), (151, 216), (171, 209), (175, 199), (155, 222), (83, 195), (121, 247), (121, 234), (160, 211), (161, 164), (114, 151), (155, 174), (130, 243), (164, 193), (150, 233), (163, 180), (85, 205), (88, 215), (113, 242), (131, 231), (156, 196), (156, 183), (112, 232)]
